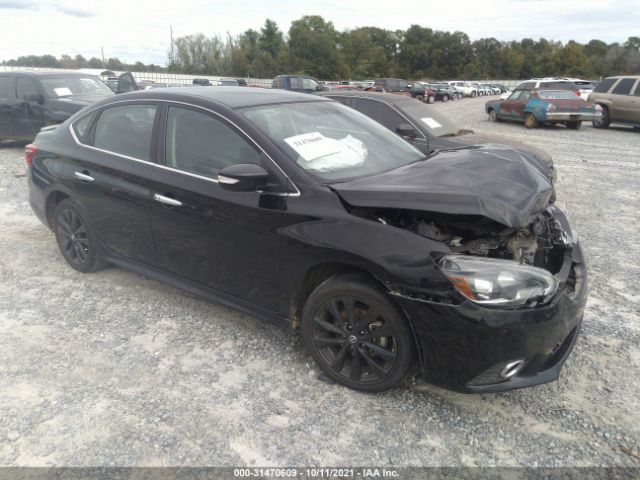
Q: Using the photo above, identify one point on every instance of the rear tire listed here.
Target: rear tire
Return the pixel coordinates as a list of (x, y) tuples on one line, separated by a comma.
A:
[(356, 335), (574, 125), (431, 99), (75, 241), (530, 121), (604, 121), (472, 94)]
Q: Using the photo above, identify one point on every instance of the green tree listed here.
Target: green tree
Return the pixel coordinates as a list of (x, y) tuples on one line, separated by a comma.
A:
[(313, 48)]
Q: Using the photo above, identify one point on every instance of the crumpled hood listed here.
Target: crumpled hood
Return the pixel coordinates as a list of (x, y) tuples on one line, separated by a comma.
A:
[(493, 181)]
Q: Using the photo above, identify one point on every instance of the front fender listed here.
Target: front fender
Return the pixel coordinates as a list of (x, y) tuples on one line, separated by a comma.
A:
[(398, 258)]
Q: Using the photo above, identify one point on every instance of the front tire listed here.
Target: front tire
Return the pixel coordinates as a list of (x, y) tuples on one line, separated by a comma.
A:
[(445, 98), (493, 116), (472, 94), (76, 244), (604, 121), (431, 99), (357, 336)]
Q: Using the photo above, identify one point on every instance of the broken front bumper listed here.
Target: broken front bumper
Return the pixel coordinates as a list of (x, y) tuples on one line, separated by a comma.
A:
[(468, 348)]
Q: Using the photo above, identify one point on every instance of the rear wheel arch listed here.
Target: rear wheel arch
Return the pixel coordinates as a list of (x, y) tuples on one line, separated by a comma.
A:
[(53, 200)]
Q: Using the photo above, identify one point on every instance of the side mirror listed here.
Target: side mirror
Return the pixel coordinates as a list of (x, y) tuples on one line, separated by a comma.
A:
[(33, 97), (406, 130), (243, 177)]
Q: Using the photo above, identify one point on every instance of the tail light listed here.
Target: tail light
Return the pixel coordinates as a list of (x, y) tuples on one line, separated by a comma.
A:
[(577, 92), (29, 152)]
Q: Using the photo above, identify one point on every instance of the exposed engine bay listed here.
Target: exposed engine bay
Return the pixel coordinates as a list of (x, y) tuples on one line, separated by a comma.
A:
[(541, 243)]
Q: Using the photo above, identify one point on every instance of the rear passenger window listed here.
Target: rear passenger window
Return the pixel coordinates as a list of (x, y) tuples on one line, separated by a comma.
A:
[(80, 126), (624, 86), (6, 88), (126, 130), (199, 143), (604, 85)]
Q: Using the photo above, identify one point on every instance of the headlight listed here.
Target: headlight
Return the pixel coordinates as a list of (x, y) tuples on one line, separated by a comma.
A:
[(495, 282)]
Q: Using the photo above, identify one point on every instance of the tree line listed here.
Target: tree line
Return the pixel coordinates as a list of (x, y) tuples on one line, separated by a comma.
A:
[(314, 46)]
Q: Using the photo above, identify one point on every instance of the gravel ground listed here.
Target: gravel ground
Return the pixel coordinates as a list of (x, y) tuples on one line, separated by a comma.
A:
[(115, 369)]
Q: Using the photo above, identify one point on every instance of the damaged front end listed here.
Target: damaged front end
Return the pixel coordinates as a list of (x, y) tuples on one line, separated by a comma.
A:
[(514, 306), (543, 244)]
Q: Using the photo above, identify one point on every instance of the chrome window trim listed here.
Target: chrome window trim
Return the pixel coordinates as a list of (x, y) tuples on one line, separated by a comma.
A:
[(183, 172)]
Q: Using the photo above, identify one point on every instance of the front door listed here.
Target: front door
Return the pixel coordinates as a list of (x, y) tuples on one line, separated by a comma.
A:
[(222, 239), (29, 109)]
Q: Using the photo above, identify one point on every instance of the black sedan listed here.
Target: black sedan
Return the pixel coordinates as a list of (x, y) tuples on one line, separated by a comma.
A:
[(427, 129), (306, 213)]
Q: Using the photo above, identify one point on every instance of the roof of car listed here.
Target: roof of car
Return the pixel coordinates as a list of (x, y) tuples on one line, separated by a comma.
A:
[(386, 97), (626, 76), (232, 97), (46, 73)]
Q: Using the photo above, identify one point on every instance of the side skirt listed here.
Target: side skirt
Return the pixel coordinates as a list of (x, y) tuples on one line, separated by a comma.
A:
[(208, 293)]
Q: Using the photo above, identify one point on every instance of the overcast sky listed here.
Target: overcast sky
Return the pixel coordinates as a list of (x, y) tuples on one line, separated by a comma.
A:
[(139, 29)]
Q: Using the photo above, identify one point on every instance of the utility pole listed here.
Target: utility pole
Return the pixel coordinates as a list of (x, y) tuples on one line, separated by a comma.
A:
[(171, 48), (104, 64)]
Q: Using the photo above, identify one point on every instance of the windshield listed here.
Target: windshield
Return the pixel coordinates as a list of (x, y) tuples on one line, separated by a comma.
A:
[(332, 141), (65, 86), (422, 114), (557, 95)]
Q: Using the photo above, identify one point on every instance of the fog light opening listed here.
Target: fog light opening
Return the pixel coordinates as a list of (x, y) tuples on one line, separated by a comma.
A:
[(511, 369)]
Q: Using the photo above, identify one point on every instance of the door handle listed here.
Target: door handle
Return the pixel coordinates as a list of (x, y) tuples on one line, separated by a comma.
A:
[(84, 176), (167, 200)]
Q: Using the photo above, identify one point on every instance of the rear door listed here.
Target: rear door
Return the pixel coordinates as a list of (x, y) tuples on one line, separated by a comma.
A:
[(222, 239), (7, 101), (111, 176)]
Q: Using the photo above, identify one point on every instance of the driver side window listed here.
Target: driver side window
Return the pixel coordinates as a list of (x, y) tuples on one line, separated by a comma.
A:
[(200, 143)]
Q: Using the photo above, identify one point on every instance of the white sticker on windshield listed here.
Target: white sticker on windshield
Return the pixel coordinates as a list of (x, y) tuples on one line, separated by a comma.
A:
[(312, 145), (62, 91), (431, 123)]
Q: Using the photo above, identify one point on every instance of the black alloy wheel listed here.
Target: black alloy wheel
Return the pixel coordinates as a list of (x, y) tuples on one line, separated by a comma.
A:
[(356, 334), (73, 238)]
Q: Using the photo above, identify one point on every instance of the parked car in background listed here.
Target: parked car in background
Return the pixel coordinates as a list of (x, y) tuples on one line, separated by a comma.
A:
[(228, 82), (203, 82), (543, 106), (308, 214), (241, 82), (502, 88), (423, 92), (466, 87), (297, 83), (549, 84), (30, 101), (393, 85), (619, 98), (427, 129), (445, 92)]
